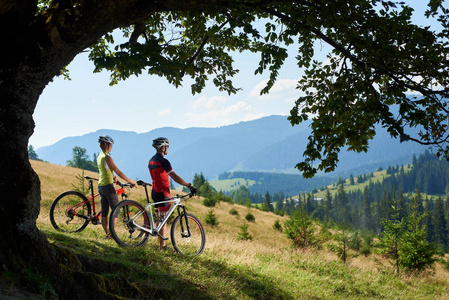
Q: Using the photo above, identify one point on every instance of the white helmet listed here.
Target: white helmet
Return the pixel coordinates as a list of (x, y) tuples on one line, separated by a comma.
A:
[(160, 142)]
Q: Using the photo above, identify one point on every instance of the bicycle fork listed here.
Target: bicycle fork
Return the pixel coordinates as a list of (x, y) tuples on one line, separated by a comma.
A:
[(183, 214)]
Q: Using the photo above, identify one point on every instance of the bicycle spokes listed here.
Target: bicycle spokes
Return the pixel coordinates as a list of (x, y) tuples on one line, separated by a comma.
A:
[(69, 212), (126, 221), (187, 234)]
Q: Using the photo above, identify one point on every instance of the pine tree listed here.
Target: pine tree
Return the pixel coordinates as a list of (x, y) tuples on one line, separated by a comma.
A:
[(416, 252), (328, 206), (342, 237), (402, 206), (198, 180), (341, 205), (244, 234), (300, 230), (367, 215), (427, 221), (440, 225), (211, 218), (351, 180), (390, 238), (267, 206)]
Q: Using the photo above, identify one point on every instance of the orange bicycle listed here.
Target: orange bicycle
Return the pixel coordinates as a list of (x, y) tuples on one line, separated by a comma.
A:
[(72, 211)]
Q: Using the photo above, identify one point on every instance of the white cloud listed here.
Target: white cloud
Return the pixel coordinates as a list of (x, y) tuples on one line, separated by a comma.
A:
[(164, 112), (214, 109), (281, 89), (209, 103)]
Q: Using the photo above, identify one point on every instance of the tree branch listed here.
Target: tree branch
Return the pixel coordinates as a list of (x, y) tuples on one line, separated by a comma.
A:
[(198, 51)]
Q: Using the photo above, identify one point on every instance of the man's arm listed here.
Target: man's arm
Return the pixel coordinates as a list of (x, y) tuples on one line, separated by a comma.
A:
[(178, 179)]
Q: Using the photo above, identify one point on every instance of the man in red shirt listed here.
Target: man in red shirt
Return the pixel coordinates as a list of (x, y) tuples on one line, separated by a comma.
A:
[(160, 168)]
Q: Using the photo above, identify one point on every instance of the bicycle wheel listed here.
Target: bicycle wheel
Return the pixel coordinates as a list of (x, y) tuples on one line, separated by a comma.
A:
[(184, 243), (69, 212), (123, 220)]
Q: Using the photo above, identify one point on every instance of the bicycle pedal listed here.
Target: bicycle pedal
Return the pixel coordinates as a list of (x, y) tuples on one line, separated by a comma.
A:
[(165, 239)]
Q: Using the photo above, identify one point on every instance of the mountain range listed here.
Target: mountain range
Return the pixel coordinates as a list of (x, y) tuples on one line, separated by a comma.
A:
[(269, 144)]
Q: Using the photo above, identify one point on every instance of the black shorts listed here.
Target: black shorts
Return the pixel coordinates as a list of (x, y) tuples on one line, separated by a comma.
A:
[(109, 198), (159, 197)]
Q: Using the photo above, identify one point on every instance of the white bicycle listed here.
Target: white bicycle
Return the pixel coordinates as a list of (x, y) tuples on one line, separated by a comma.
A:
[(131, 224)]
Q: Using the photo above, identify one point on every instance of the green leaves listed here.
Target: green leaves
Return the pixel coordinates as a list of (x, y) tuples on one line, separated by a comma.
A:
[(377, 58)]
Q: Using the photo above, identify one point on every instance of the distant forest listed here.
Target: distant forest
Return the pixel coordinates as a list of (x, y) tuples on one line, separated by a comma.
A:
[(426, 181), (288, 184)]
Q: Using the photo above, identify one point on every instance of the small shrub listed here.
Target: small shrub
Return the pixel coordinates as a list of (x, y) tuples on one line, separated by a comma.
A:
[(209, 202), (233, 212), (244, 234), (445, 263), (341, 247), (367, 244), (211, 218), (277, 226), (250, 217), (355, 241), (300, 230), (365, 250), (325, 234)]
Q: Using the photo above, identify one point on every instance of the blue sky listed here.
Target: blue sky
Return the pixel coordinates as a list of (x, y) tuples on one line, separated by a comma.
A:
[(87, 103)]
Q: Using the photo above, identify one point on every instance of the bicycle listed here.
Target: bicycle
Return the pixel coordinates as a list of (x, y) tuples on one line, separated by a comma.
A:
[(131, 224), (72, 211)]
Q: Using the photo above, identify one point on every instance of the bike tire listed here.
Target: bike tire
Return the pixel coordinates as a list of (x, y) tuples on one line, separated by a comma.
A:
[(189, 246), (65, 216), (121, 226)]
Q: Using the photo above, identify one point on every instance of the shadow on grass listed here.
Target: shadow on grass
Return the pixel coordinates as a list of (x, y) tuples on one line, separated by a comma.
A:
[(152, 271), (147, 269), (250, 283)]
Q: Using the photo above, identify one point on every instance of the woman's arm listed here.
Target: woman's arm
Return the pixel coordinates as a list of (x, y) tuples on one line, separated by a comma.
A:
[(117, 171)]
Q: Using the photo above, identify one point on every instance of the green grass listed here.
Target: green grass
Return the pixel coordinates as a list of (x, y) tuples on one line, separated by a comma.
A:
[(285, 274), (228, 185), (264, 268)]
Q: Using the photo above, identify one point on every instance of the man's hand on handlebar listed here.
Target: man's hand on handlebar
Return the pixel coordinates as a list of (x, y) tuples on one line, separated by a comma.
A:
[(193, 189)]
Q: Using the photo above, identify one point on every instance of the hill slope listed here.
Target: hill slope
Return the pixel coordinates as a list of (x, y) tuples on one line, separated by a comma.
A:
[(262, 268)]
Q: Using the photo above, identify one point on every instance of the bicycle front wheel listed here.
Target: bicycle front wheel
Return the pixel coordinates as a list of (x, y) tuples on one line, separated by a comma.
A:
[(187, 235), (70, 212), (124, 221)]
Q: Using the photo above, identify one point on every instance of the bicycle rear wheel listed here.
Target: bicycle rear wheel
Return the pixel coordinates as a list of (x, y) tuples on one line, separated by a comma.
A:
[(69, 212), (184, 243), (122, 224)]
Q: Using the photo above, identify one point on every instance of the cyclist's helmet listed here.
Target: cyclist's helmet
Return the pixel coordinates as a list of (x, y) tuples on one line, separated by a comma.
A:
[(105, 139), (160, 142)]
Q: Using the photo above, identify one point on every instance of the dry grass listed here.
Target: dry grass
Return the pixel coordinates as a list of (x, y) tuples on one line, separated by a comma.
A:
[(268, 257)]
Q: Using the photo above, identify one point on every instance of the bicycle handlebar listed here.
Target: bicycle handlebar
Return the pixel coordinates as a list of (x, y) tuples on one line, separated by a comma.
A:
[(118, 182), (142, 183), (186, 195), (123, 184)]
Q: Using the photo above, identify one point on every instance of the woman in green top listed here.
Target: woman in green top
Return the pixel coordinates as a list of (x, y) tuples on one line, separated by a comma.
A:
[(107, 167)]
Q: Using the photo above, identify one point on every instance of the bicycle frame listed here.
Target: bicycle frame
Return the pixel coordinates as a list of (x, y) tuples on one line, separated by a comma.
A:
[(154, 231), (176, 204), (94, 216)]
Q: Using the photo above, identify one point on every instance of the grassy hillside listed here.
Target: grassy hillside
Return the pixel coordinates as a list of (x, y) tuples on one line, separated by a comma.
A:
[(378, 176), (228, 185), (333, 188), (263, 268)]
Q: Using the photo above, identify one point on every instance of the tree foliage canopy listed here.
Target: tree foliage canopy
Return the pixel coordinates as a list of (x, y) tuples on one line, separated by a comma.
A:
[(378, 58)]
